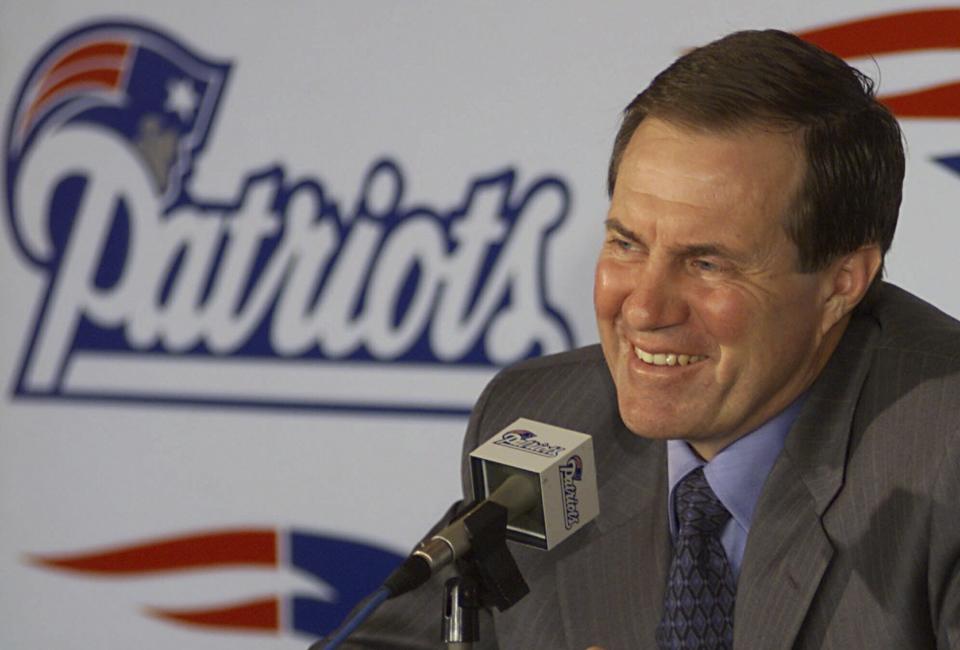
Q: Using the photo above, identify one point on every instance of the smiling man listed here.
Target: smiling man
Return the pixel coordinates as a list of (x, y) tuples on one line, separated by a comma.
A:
[(777, 430), (707, 323)]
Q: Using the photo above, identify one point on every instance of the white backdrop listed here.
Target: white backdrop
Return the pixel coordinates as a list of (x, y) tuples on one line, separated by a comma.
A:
[(149, 424)]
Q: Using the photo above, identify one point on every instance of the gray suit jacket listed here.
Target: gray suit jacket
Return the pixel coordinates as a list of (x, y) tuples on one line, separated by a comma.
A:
[(855, 541)]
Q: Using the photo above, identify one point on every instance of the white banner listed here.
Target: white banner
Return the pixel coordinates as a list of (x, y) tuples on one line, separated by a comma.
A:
[(259, 259)]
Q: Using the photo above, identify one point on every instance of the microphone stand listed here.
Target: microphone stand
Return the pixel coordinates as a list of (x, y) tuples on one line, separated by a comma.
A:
[(461, 613), (489, 575)]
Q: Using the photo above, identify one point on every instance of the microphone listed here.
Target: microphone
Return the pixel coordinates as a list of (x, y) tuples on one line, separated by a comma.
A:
[(545, 478)]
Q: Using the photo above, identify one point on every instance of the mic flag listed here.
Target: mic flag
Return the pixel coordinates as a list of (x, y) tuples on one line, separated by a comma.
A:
[(540, 476), (558, 462)]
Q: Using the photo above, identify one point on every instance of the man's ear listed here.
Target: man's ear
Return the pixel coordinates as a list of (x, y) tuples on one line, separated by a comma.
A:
[(847, 281)]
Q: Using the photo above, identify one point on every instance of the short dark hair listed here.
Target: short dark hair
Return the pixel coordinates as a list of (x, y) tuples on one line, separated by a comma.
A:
[(852, 187)]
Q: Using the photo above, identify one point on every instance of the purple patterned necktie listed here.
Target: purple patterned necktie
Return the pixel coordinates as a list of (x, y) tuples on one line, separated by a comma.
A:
[(698, 603)]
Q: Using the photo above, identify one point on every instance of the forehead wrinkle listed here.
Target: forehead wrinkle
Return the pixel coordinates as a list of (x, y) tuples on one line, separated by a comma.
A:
[(674, 201), (649, 182)]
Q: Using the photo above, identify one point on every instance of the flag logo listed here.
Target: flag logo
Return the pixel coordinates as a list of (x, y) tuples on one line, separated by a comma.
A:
[(350, 568)]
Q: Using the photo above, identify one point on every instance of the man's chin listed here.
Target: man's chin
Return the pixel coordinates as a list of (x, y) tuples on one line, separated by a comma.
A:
[(648, 425)]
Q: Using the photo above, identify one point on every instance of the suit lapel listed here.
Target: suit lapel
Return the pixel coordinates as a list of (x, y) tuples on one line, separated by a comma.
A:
[(788, 549), (786, 556), (612, 586)]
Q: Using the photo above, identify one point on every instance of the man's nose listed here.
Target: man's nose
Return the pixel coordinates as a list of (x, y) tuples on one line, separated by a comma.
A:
[(656, 300)]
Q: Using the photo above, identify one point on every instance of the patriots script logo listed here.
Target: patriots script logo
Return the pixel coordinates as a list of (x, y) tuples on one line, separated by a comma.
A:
[(571, 472), (281, 294)]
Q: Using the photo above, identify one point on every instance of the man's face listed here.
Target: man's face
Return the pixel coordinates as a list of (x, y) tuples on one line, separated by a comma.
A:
[(708, 328)]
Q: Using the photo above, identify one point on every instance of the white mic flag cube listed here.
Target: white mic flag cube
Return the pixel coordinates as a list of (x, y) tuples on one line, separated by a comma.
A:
[(559, 462)]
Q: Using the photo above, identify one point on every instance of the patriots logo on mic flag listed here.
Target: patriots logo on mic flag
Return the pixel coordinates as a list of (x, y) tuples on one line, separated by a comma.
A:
[(575, 465), (351, 569)]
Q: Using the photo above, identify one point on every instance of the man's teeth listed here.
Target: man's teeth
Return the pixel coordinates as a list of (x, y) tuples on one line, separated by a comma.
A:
[(667, 358)]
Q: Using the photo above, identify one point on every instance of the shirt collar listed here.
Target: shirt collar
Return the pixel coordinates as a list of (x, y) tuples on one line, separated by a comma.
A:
[(738, 472)]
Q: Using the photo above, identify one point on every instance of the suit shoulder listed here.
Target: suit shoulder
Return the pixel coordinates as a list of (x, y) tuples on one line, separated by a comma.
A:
[(588, 356), (562, 373), (570, 389), (910, 324), (913, 380)]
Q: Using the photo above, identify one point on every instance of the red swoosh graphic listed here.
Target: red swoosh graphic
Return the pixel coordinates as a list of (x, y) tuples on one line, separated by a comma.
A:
[(260, 615), (256, 547), (937, 101), (99, 50), (900, 32)]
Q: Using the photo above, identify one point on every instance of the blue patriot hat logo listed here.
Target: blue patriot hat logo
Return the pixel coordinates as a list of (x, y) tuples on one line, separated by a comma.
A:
[(135, 81)]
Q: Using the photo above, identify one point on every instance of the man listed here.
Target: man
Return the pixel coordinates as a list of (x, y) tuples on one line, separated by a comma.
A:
[(750, 357)]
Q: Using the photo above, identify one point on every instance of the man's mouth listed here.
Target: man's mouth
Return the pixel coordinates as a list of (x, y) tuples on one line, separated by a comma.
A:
[(667, 358)]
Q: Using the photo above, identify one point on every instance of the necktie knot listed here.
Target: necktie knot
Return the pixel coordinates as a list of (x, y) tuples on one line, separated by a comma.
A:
[(699, 510)]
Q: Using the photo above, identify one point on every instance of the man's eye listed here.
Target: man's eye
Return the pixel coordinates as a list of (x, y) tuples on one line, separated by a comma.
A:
[(706, 265), (622, 244)]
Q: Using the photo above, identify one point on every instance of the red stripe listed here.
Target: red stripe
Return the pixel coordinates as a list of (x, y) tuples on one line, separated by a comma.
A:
[(113, 49), (900, 32), (251, 547), (262, 615), (108, 78), (938, 101)]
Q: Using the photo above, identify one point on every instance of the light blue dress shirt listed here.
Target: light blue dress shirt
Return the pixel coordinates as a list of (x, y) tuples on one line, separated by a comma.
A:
[(736, 475)]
